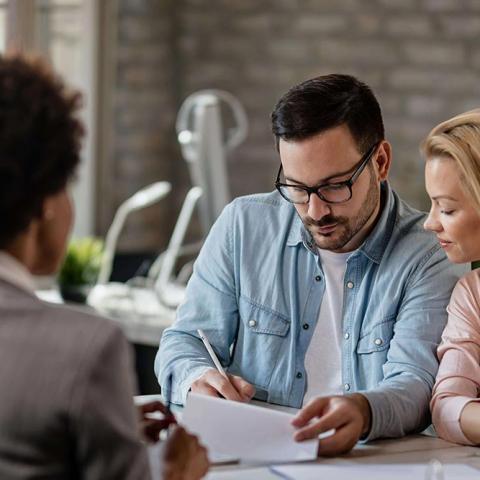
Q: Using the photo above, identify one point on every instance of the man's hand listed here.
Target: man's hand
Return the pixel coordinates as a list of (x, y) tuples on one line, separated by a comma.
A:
[(214, 384), (184, 458), (150, 427), (349, 415)]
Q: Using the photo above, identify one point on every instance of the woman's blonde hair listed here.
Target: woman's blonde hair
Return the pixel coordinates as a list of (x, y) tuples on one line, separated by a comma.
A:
[(459, 139)]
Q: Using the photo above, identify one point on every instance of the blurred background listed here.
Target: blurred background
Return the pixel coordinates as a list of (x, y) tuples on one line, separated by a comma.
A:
[(137, 60)]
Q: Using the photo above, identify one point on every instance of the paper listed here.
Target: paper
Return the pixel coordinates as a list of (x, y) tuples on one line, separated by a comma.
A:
[(248, 432), (372, 472)]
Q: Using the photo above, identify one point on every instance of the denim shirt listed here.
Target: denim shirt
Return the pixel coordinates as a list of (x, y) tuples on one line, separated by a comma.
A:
[(258, 282)]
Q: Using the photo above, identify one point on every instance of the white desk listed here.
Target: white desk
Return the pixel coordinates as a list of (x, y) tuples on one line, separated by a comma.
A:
[(410, 449)]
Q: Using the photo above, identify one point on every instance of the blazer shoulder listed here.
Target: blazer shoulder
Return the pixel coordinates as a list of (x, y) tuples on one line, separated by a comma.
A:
[(79, 322)]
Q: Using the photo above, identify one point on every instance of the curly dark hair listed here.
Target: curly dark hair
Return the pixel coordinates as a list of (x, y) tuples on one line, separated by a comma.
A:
[(40, 139)]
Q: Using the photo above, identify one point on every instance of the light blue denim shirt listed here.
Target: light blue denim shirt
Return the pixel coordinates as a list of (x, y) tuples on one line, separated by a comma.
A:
[(258, 280)]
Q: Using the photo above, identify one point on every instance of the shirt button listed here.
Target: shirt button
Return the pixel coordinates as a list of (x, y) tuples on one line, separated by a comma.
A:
[(347, 387), (346, 336), (306, 326), (318, 278), (350, 285), (252, 323), (299, 375), (378, 342)]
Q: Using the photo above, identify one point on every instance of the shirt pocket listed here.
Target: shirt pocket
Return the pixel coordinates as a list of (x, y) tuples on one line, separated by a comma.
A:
[(376, 338), (266, 322), (262, 336)]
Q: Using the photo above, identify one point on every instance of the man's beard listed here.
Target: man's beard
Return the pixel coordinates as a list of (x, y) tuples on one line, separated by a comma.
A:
[(346, 228)]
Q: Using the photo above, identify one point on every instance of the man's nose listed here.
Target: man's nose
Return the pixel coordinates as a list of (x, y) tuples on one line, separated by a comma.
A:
[(317, 208)]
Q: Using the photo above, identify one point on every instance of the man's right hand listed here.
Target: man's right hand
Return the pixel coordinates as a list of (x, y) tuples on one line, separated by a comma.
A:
[(214, 384), (185, 458)]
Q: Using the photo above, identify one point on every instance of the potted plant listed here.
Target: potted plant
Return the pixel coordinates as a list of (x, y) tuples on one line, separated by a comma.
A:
[(80, 268)]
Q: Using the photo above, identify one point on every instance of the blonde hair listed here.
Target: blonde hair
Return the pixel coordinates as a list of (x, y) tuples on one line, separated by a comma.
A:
[(459, 140)]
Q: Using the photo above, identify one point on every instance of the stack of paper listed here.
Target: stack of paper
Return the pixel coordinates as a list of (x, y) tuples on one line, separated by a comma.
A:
[(247, 432)]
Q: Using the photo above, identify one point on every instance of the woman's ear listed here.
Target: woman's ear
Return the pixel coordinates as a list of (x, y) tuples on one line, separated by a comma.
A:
[(47, 212), (52, 231)]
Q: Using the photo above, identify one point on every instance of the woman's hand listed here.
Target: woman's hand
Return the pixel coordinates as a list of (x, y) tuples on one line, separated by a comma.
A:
[(184, 457), (150, 427)]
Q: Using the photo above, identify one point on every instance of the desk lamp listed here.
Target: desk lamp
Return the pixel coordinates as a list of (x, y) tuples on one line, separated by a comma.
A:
[(143, 198)]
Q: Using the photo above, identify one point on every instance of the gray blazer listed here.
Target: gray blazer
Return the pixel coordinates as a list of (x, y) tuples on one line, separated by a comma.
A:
[(66, 389)]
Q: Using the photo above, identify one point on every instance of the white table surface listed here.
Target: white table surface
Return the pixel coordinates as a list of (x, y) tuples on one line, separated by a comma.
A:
[(410, 449)]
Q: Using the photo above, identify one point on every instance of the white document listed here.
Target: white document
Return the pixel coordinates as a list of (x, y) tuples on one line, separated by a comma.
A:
[(247, 432), (373, 472)]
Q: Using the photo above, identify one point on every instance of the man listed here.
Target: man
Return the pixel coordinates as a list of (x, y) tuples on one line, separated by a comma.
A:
[(326, 293)]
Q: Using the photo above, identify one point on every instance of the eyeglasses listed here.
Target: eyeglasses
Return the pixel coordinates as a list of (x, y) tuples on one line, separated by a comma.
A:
[(338, 192)]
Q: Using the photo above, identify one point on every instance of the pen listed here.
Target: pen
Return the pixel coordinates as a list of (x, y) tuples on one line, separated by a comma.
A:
[(212, 353)]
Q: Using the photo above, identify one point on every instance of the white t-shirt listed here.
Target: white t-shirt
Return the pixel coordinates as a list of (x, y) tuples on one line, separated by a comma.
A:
[(323, 360)]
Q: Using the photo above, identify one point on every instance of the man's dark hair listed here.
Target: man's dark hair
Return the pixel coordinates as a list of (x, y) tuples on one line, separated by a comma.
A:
[(40, 139), (326, 102)]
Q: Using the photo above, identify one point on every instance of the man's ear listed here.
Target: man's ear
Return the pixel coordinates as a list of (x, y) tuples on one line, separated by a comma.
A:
[(383, 160)]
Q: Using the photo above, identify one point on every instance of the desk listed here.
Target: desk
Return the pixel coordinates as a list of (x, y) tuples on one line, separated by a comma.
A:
[(410, 449)]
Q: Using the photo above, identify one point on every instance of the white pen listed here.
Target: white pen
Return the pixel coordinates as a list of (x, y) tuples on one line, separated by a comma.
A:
[(212, 353)]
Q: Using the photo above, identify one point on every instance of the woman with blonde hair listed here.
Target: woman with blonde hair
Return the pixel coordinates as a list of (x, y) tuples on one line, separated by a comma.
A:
[(452, 176)]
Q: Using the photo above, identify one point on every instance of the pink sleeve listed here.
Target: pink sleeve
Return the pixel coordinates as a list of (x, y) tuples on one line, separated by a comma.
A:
[(458, 379)]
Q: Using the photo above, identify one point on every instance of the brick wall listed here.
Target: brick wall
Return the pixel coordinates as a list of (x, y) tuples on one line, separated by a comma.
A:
[(419, 56), (144, 110)]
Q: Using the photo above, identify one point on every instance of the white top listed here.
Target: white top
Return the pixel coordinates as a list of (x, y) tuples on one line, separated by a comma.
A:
[(323, 360), (14, 272)]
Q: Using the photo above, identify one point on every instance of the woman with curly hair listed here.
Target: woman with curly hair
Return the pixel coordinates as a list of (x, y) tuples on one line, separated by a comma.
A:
[(66, 407)]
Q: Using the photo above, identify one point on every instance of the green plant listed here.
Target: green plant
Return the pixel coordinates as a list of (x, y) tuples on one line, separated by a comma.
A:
[(82, 262)]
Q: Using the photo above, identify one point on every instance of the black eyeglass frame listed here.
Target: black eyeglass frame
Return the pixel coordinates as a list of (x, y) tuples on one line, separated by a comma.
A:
[(362, 163)]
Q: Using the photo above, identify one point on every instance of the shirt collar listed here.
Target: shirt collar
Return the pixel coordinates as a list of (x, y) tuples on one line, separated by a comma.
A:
[(298, 233), (15, 273), (374, 245)]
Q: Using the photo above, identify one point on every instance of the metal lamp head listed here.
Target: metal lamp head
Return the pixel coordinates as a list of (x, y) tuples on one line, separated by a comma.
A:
[(147, 196)]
